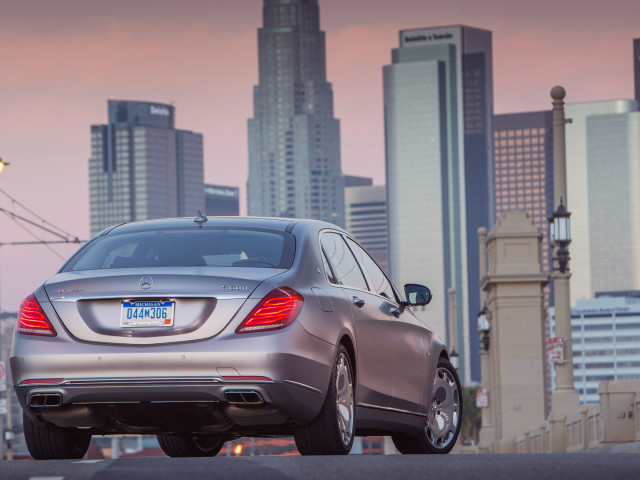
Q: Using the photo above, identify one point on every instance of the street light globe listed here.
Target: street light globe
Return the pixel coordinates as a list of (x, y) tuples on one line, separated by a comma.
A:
[(2, 165)]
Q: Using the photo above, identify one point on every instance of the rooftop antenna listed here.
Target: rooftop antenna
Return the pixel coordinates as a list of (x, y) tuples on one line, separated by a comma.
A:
[(200, 219)]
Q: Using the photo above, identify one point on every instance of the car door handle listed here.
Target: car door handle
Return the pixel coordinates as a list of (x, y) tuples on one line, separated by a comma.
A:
[(358, 302)]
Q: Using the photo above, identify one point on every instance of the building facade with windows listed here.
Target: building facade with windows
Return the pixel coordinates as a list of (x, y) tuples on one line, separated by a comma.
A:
[(438, 104), (294, 140), (605, 334), (142, 167), (220, 200), (366, 215), (603, 148)]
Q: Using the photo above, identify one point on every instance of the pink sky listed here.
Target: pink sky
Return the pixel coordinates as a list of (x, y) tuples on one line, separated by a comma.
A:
[(62, 60)]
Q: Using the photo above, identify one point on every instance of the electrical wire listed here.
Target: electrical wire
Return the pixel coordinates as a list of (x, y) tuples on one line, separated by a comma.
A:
[(43, 242), (13, 200)]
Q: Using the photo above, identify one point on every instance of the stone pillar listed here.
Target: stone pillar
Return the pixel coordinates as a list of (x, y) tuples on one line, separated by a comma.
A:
[(487, 433), (513, 285)]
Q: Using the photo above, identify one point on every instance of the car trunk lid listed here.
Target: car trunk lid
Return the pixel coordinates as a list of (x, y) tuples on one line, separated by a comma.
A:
[(91, 304)]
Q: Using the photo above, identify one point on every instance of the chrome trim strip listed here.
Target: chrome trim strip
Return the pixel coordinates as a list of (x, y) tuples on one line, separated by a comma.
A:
[(389, 409), (142, 381), (303, 385)]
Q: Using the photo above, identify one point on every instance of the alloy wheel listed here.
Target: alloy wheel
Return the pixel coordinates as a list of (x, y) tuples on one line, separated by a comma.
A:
[(344, 399), (444, 412)]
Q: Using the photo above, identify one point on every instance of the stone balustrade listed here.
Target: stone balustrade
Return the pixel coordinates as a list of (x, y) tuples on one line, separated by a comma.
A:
[(613, 421)]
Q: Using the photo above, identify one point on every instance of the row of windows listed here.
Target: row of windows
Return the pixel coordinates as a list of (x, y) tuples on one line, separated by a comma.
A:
[(519, 132)]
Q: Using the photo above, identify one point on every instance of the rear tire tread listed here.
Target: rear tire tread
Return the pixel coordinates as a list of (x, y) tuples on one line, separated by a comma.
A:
[(319, 437), (48, 442), (178, 446)]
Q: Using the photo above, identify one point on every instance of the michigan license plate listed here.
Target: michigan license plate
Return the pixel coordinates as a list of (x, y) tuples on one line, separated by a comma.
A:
[(148, 313)]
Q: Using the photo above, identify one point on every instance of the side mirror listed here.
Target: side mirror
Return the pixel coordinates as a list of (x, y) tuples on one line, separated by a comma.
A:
[(417, 295)]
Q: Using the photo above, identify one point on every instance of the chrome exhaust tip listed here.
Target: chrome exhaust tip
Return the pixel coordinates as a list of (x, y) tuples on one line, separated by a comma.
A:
[(243, 397), (41, 400)]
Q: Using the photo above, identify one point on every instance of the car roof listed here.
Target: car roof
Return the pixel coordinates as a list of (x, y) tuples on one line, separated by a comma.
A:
[(274, 223)]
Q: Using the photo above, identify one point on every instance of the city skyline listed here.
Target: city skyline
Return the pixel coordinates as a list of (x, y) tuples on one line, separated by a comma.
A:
[(64, 61)]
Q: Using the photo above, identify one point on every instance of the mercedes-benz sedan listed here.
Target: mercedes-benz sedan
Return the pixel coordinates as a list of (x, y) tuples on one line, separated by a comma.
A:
[(205, 330)]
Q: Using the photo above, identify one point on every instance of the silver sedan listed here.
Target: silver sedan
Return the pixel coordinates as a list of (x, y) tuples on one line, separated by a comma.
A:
[(205, 330)]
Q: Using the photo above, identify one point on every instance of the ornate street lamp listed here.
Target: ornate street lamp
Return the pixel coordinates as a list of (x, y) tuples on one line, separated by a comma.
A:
[(484, 327), (560, 232)]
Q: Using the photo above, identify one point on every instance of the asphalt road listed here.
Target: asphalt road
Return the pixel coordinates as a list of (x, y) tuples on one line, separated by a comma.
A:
[(353, 467)]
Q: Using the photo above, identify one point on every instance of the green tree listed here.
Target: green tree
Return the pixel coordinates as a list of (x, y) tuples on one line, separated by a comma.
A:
[(471, 415)]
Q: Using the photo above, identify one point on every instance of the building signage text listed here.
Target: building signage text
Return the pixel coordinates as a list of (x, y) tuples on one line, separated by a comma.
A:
[(428, 37), (163, 111)]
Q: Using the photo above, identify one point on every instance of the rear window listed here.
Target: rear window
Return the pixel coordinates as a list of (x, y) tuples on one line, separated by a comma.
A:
[(206, 247)]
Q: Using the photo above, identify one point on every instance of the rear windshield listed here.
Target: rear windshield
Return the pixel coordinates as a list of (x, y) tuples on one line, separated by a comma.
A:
[(206, 247)]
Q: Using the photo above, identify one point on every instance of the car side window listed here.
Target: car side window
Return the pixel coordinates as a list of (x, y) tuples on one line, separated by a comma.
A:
[(345, 266), (328, 271), (380, 283)]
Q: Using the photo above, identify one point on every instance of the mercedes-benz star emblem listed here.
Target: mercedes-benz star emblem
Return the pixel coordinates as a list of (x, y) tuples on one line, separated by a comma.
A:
[(146, 282)]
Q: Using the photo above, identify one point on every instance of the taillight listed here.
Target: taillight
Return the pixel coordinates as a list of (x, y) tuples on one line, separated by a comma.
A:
[(32, 319), (277, 310)]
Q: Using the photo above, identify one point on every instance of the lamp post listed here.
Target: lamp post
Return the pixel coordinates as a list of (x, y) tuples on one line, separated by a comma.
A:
[(484, 327), (565, 399)]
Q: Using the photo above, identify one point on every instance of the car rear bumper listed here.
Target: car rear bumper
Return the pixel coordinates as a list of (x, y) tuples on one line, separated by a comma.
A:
[(95, 403), (259, 379)]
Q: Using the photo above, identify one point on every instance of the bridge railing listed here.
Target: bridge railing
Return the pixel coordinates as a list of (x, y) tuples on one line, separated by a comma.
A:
[(615, 420)]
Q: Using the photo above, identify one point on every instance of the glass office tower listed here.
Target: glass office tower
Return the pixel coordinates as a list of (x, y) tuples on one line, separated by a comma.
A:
[(294, 141), (603, 174), (141, 167), (438, 100)]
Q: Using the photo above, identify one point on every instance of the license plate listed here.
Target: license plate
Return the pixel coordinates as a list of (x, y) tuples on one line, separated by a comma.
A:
[(147, 313)]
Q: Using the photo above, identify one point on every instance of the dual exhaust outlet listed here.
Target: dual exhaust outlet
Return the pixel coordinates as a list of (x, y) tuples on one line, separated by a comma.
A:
[(243, 397), (40, 400)]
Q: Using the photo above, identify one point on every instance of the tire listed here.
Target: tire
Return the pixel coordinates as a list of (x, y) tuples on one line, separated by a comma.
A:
[(48, 442), (332, 431), (444, 416), (190, 446)]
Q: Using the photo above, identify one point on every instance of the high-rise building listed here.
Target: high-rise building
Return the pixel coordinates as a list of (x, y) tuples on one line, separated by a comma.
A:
[(366, 214), (294, 140), (141, 167), (605, 336), (438, 103), (603, 174), (222, 201), (356, 181)]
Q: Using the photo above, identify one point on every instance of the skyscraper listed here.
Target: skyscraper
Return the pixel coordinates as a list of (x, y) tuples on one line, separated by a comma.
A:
[(294, 141), (523, 168), (366, 214), (221, 200), (438, 99), (603, 148), (141, 167)]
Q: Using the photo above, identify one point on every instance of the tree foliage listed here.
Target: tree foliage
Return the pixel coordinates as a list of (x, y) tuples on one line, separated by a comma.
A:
[(471, 415)]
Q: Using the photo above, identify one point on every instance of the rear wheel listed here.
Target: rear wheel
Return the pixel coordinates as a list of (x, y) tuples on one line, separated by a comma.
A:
[(190, 446), (48, 442), (443, 417), (332, 431)]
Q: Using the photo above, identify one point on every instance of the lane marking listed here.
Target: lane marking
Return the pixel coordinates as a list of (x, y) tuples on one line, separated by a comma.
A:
[(46, 478), (90, 461)]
